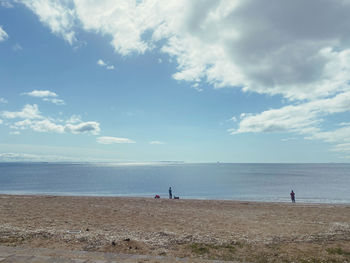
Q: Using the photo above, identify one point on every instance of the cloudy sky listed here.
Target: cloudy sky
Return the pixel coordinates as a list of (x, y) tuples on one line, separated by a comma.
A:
[(176, 80)]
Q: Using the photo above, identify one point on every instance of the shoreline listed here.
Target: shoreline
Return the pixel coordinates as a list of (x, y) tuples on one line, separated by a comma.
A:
[(209, 229), (298, 201)]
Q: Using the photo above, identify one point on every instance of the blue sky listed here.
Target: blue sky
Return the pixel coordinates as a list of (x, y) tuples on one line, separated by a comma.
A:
[(193, 81)]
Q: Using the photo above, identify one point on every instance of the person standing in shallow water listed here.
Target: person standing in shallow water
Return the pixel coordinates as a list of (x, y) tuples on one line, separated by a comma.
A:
[(292, 196), (170, 193)]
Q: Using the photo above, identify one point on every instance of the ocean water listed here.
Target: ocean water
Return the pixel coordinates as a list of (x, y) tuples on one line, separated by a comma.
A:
[(312, 183)]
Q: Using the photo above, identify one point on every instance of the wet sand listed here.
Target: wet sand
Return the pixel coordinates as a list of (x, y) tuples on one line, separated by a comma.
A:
[(210, 229)]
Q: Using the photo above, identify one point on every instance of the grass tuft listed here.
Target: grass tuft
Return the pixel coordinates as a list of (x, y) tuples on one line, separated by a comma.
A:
[(337, 251)]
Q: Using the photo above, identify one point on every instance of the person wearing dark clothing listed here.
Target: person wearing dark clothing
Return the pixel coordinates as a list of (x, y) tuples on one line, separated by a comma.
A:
[(292, 196), (170, 193)]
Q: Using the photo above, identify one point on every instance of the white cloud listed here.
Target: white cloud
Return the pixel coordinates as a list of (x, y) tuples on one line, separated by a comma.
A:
[(234, 119), (21, 125), (30, 153), (83, 127), (246, 44), (17, 157), (2, 100), (288, 139), (6, 4), (55, 101), (156, 142), (74, 119), (46, 95), (56, 14), (302, 118), (344, 124), (34, 120), (125, 22), (28, 112), (40, 93), (101, 63), (196, 87), (298, 49), (343, 147), (113, 140), (334, 136), (47, 125), (289, 118), (1, 121), (17, 47), (3, 34)]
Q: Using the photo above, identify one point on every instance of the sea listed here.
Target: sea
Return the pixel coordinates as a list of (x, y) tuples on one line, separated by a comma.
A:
[(312, 183)]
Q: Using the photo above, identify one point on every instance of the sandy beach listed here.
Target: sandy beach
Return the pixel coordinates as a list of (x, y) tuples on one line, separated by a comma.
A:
[(208, 229)]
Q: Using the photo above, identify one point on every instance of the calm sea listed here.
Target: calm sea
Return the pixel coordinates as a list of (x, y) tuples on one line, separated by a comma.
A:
[(314, 183)]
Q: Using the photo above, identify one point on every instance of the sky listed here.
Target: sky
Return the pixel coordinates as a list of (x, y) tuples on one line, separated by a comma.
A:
[(239, 81)]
